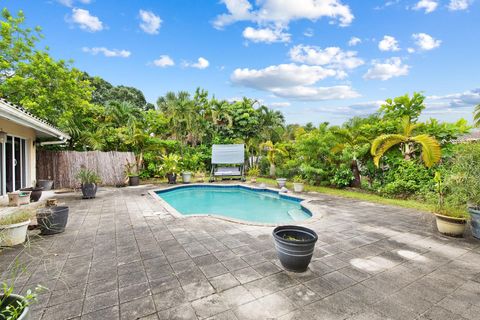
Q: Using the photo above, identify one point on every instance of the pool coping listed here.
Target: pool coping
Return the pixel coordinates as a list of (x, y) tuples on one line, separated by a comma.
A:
[(306, 202)]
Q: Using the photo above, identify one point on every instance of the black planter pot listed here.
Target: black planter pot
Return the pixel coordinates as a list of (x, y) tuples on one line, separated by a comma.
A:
[(14, 299), (133, 180), (475, 221), (36, 193), (52, 220), (89, 190), (172, 178), (45, 184), (295, 255)]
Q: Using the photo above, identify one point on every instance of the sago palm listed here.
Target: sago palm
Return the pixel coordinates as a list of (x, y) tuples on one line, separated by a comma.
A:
[(430, 148), (272, 151)]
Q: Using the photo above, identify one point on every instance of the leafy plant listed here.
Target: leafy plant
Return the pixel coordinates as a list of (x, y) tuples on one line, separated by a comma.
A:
[(272, 151), (298, 179), (87, 176), (16, 217), (253, 172), (342, 177), (171, 164), (131, 169)]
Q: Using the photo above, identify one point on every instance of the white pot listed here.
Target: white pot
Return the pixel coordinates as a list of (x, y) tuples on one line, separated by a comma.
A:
[(13, 234), (281, 182), (450, 226), (186, 177), (298, 187)]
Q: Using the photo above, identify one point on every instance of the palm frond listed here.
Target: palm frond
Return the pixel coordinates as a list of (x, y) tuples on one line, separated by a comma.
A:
[(380, 140), (383, 143), (431, 151)]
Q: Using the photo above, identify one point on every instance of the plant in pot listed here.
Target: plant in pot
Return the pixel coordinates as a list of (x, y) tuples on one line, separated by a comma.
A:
[(170, 167), (294, 246), (449, 222), (253, 174), (46, 184), (89, 180), (298, 183), (189, 164), (13, 228), (131, 170), (35, 193), (52, 219)]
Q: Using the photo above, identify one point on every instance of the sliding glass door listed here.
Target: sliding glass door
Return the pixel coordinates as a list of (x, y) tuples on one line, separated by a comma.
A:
[(14, 158)]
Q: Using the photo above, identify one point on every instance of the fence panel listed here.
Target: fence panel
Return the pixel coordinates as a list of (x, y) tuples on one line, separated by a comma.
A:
[(62, 166)]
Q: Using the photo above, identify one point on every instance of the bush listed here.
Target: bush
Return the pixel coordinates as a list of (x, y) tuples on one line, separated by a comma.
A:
[(342, 177)]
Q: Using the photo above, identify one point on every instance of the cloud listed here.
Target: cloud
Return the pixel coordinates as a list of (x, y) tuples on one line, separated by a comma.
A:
[(425, 41), (309, 33), (391, 68), (164, 61), (109, 53), (201, 63), (69, 3), (388, 43), (85, 20), (283, 104), (387, 4), (466, 99), (150, 22), (457, 5), (354, 41), (331, 57), (428, 5), (292, 81), (266, 35)]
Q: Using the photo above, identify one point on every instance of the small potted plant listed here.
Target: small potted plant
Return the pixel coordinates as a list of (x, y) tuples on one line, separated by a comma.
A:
[(170, 167), (295, 246), (131, 170), (253, 174), (298, 183), (18, 198), (35, 193), (46, 184), (89, 180), (449, 222), (13, 228), (52, 219)]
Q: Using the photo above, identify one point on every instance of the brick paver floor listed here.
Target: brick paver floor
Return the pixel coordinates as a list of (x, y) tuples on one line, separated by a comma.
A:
[(124, 257)]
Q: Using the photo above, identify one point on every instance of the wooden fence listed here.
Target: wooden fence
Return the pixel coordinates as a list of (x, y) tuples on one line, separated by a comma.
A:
[(63, 166)]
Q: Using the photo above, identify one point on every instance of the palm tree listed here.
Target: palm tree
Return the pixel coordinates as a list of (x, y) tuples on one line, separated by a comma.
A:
[(272, 151), (476, 116), (430, 148), (353, 141)]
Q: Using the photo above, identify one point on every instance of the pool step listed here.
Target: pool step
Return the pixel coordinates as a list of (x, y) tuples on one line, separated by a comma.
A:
[(296, 214)]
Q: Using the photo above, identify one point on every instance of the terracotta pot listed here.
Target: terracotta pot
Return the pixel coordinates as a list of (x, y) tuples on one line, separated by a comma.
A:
[(450, 226)]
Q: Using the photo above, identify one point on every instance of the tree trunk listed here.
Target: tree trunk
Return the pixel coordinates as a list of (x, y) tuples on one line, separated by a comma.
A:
[(356, 183), (272, 170)]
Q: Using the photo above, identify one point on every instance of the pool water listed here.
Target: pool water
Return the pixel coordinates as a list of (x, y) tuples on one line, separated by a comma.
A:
[(241, 203)]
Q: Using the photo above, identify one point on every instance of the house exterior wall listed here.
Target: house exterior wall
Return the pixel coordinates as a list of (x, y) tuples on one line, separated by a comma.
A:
[(29, 135)]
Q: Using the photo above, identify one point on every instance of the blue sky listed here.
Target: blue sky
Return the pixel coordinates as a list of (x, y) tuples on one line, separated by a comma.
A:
[(315, 60)]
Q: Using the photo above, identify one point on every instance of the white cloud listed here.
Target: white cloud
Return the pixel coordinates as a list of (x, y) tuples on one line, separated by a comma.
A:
[(85, 20), (309, 33), (281, 12), (109, 53), (201, 63), (427, 5), (465, 99), (163, 62), (388, 43), (457, 5), (410, 50), (69, 3), (354, 41), (150, 22), (331, 57), (266, 35), (425, 41), (391, 68), (292, 81), (283, 104)]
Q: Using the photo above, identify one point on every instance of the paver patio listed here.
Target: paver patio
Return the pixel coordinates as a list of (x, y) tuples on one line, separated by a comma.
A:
[(125, 257)]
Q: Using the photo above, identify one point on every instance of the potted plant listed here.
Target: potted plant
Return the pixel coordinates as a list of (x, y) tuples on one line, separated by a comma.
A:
[(294, 245), (14, 306), (35, 193), (253, 173), (131, 170), (170, 167), (13, 228), (449, 222), (52, 219), (281, 182), (18, 198), (89, 180), (200, 176), (298, 183), (46, 184)]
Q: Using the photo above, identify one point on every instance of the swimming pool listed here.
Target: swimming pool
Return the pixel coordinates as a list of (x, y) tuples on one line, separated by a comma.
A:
[(235, 202)]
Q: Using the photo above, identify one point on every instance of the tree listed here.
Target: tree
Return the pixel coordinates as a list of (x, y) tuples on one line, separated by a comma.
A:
[(430, 148), (272, 151), (476, 116), (404, 106), (128, 94)]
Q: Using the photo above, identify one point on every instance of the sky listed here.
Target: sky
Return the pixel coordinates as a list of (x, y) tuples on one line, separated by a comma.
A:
[(315, 60)]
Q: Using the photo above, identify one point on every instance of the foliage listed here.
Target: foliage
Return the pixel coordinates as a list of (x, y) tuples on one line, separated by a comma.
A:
[(170, 164), (404, 106), (87, 176), (253, 172), (298, 179), (16, 217), (342, 177)]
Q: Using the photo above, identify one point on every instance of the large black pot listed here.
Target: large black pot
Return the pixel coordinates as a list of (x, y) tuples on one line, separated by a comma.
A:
[(36, 193), (89, 190), (52, 220), (294, 246), (45, 184), (475, 221), (172, 178), (14, 299), (133, 180)]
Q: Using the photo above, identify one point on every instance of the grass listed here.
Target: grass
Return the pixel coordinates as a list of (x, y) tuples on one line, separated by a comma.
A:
[(410, 204), (16, 217)]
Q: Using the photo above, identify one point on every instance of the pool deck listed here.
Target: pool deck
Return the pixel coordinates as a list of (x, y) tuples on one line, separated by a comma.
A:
[(123, 256)]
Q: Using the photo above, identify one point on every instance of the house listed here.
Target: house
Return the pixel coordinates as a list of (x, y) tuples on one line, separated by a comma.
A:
[(20, 132)]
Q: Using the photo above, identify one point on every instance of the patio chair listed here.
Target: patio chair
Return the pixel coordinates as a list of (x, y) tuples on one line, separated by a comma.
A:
[(232, 155)]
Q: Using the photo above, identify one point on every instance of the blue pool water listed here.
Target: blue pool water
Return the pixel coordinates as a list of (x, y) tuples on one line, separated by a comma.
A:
[(236, 202)]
